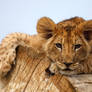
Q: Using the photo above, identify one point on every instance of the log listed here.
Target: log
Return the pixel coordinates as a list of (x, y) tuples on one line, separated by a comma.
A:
[(82, 83), (28, 75)]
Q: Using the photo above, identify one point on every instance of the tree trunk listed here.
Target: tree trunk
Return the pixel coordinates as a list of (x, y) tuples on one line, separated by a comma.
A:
[(28, 75)]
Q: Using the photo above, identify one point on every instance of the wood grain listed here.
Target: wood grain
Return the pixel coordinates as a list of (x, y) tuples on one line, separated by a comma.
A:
[(28, 75)]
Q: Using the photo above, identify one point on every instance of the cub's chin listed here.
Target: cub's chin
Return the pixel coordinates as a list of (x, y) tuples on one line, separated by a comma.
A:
[(68, 72)]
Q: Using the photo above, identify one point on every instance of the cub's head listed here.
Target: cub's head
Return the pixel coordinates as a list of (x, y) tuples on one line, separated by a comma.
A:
[(67, 43)]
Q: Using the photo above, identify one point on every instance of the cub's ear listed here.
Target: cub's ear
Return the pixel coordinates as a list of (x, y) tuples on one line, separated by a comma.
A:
[(87, 30), (46, 27)]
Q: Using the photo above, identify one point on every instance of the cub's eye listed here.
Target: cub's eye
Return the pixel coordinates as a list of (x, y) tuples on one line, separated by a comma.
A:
[(77, 46), (58, 45)]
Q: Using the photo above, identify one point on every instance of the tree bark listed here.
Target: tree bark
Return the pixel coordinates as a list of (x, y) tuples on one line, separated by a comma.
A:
[(28, 75)]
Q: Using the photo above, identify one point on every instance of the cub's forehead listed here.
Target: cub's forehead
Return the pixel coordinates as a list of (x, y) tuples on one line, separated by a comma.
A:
[(67, 29), (70, 33), (69, 25), (66, 25), (67, 35), (72, 39)]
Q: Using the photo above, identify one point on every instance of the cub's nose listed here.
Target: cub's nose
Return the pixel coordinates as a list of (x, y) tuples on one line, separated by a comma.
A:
[(67, 64)]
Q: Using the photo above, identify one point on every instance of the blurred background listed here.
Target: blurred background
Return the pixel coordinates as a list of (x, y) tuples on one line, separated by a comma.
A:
[(22, 15)]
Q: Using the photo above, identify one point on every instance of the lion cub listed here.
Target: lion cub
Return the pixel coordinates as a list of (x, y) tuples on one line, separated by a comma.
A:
[(67, 44)]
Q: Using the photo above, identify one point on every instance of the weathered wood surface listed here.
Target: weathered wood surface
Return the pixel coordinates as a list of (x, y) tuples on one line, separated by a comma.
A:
[(82, 83), (29, 75)]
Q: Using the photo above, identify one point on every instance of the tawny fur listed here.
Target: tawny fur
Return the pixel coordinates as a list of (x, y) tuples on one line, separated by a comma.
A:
[(48, 35), (11, 42)]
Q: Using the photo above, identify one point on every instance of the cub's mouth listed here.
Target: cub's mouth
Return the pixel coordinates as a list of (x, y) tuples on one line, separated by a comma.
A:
[(68, 73), (63, 68), (67, 69)]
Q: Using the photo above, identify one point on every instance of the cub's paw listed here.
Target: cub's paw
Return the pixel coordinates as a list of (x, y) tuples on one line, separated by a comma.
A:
[(52, 69), (49, 73)]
